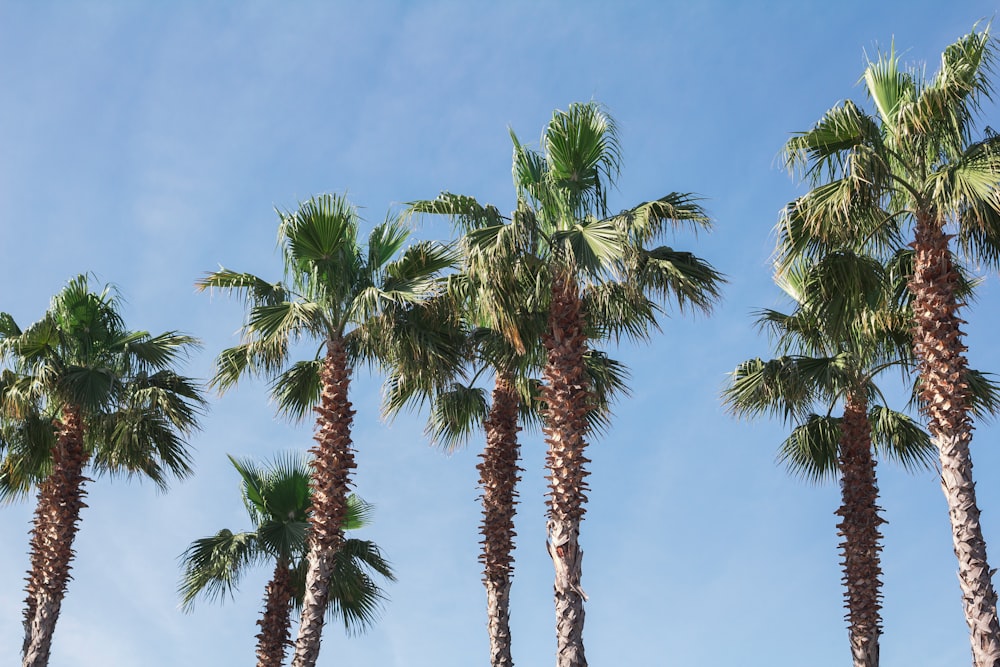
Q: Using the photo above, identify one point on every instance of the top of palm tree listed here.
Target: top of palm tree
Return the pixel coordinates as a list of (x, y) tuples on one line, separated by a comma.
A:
[(335, 289), (916, 154)]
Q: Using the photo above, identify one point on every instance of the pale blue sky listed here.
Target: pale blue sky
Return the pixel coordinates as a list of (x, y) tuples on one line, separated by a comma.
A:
[(149, 143)]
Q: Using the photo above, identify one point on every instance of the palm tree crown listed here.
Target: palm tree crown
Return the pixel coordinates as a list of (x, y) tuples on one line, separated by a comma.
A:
[(277, 500)]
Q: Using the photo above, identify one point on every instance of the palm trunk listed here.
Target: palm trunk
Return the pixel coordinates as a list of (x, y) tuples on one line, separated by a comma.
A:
[(859, 528), (498, 476), (567, 400), (333, 460), (277, 618), (944, 393), (60, 500)]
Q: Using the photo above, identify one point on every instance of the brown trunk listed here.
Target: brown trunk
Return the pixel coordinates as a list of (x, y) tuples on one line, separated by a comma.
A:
[(567, 400), (60, 500), (937, 344), (333, 460), (859, 528), (498, 476), (277, 618)]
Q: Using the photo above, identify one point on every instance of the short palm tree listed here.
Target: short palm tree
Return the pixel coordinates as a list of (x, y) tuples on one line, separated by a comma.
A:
[(586, 261), (278, 501), (351, 300), (917, 159), (846, 329), (85, 391)]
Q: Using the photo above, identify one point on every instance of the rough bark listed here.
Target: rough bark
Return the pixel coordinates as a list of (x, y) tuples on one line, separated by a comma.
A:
[(567, 400), (60, 501), (860, 530), (276, 620), (333, 460), (498, 477), (937, 344)]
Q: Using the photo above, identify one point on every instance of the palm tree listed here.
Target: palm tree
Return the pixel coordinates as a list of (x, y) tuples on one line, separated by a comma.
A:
[(277, 500), (350, 300), (916, 158), (114, 404), (847, 328), (586, 263), (459, 406)]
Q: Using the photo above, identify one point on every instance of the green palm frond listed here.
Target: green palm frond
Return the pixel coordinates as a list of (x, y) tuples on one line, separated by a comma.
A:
[(648, 221), (321, 232), (583, 155), (456, 414), (898, 438), (984, 394), (820, 150), (256, 291), (174, 396), (288, 320), (608, 382), (529, 170), (777, 388), (889, 87), (811, 449), (137, 441), (687, 280), (26, 443), (157, 353), (594, 244), (619, 310), (467, 213), (213, 566), (297, 390), (8, 328)]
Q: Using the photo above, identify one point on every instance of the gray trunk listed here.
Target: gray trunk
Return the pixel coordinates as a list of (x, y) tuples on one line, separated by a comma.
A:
[(567, 557), (313, 609), (498, 610), (978, 594)]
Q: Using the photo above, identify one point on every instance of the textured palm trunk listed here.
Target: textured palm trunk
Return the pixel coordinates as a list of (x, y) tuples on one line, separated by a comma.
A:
[(860, 530), (944, 393), (276, 619), (333, 460), (498, 477), (567, 397), (60, 500)]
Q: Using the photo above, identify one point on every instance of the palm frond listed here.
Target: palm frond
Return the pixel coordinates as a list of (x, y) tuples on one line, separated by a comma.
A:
[(297, 390), (213, 566), (811, 449), (900, 439)]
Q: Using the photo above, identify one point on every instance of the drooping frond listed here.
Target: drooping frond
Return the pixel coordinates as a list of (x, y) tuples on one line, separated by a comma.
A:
[(898, 438), (811, 449), (213, 566)]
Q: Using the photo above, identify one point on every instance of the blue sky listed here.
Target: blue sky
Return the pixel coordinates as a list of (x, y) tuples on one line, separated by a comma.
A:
[(150, 142)]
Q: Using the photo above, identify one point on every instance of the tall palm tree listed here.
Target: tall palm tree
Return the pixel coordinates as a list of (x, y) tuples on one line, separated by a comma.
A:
[(114, 404), (917, 158), (585, 261), (278, 501), (459, 406), (847, 328), (349, 299)]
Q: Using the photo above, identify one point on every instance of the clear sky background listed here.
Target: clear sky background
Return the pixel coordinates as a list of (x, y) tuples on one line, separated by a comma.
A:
[(149, 142)]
